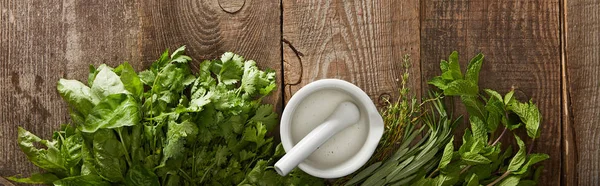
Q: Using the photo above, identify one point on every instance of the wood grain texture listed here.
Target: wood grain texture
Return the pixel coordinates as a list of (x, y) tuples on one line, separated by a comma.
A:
[(44, 41), (520, 41), (210, 28), (362, 42), (583, 71)]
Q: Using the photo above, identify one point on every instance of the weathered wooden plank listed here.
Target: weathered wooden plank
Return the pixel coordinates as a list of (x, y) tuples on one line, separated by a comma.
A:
[(210, 28), (520, 40), (44, 41), (362, 42), (583, 72)]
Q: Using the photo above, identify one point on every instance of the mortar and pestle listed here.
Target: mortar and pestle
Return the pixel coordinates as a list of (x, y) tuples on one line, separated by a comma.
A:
[(329, 129)]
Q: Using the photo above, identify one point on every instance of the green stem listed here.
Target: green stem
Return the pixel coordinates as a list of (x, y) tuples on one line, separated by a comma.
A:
[(432, 173), (124, 148), (499, 179), (206, 172), (499, 137), (465, 169)]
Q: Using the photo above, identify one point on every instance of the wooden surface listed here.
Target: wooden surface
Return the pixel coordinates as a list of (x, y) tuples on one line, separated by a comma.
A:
[(549, 50), (44, 41), (521, 44), (583, 71)]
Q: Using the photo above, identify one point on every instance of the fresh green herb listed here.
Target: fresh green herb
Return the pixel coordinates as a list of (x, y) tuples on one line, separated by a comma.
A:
[(401, 157), (481, 160), (164, 126)]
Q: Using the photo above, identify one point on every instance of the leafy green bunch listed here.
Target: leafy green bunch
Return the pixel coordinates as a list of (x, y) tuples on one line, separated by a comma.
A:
[(481, 160), (412, 142), (163, 126)]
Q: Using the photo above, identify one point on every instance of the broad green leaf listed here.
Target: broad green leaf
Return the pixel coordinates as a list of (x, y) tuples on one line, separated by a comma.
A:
[(106, 83), (89, 180), (114, 111), (49, 159), (447, 154), (36, 178), (519, 158), (108, 153), (138, 175), (473, 69), (131, 80), (531, 160), (461, 88), (510, 181), (77, 95)]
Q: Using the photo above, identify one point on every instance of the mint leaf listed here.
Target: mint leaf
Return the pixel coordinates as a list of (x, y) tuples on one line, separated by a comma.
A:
[(530, 115), (510, 181), (473, 180), (508, 98), (453, 67), (519, 158), (474, 106), (479, 129), (447, 154), (439, 82), (461, 88), (473, 69), (493, 93), (474, 159), (531, 160)]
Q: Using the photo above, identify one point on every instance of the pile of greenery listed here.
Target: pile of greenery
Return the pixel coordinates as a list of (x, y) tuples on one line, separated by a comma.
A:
[(163, 126), (432, 159), (170, 126)]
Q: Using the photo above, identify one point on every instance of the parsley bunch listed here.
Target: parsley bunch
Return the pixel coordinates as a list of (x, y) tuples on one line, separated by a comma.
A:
[(163, 126)]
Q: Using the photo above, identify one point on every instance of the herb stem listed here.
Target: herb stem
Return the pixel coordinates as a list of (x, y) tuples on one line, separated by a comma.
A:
[(432, 173), (465, 169), (499, 137), (499, 179), (531, 146), (124, 148)]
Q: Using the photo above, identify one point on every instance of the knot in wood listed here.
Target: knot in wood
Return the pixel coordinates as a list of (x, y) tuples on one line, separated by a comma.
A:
[(231, 6)]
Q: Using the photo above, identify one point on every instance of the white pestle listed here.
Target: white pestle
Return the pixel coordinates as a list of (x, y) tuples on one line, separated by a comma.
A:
[(345, 115)]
